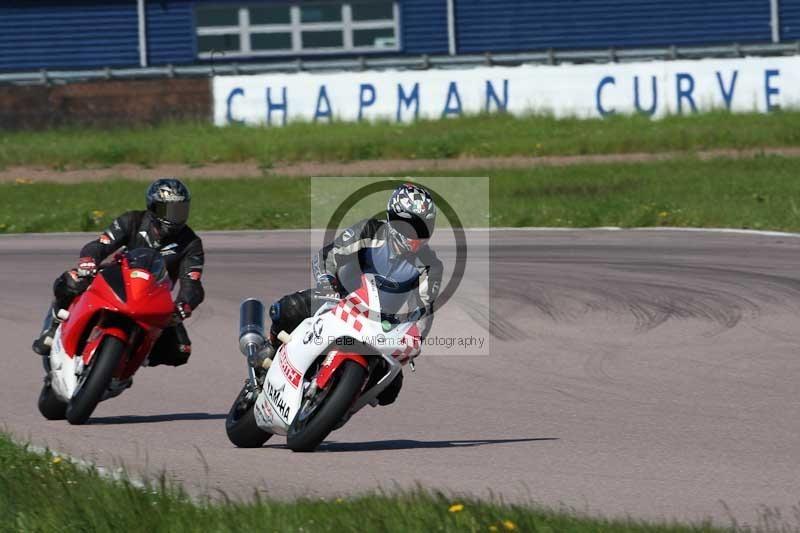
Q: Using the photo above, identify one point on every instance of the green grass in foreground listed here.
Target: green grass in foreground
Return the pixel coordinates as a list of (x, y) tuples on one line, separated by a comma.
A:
[(488, 135), (759, 193), (47, 493)]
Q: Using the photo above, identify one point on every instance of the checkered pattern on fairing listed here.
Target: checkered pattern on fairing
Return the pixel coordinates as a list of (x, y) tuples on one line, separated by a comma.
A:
[(411, 340), (351, 310)]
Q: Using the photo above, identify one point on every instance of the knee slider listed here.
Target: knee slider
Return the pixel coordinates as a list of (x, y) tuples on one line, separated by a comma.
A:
[(275, 311), (182, 357)]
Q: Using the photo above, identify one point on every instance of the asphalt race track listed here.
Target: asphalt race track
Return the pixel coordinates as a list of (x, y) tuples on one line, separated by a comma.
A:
[(655, 374)]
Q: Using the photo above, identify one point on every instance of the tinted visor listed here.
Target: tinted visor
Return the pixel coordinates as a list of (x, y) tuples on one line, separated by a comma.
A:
[(411, 228), (172, 212)]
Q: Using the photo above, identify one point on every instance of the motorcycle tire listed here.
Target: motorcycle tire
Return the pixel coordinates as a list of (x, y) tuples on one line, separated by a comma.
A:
[(51, 407), (100, 371), (241, 427), (305, 436)]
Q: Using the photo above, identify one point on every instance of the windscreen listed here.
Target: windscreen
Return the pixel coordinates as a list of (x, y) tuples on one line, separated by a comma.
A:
[(397, 301), (147, 259)]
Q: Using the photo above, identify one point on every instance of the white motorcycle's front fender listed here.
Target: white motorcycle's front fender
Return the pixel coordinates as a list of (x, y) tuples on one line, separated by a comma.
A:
[(282, 395)]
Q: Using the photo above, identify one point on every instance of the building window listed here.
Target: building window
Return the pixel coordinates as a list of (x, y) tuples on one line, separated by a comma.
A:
[(275, 30)]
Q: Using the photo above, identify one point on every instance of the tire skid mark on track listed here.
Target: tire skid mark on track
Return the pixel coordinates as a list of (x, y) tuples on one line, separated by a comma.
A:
[(595, 367), (648, 292), (496, 325)]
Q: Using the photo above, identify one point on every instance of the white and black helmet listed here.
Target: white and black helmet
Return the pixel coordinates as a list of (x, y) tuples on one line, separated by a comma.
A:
[(168, 199), (411, 214)]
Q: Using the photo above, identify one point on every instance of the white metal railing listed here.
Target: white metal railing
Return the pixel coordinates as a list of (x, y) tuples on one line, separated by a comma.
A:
[(550, 57)]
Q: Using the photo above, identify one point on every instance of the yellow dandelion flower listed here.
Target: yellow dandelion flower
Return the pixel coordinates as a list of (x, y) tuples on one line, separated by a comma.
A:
[(509, 525), (56, 460), (663, 214), (456, 508), (492, 528), (339, 500)]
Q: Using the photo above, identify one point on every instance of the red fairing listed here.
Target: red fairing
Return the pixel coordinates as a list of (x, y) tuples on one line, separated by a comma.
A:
[(83, 310), (334, 361), (148, 303)]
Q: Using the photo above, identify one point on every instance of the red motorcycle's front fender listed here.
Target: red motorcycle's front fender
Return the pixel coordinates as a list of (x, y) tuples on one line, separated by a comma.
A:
[(333, 362), (96, 337)]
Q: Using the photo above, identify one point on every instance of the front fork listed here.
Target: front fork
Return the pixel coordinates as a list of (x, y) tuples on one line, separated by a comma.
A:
[(251, 383)]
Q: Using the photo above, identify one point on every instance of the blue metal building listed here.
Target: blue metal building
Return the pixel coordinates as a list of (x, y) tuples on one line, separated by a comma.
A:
[(51, 34)]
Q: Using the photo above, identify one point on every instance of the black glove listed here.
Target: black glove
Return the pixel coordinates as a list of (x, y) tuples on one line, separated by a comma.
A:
[(327, 287), (87, 267), (183, 310)]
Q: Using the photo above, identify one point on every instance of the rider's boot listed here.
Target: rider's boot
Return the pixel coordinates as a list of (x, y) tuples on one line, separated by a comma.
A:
[(52, 320)]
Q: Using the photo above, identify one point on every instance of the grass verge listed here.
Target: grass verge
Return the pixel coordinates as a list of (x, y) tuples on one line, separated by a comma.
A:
[(48, 493), (758, 193), (487, 135)]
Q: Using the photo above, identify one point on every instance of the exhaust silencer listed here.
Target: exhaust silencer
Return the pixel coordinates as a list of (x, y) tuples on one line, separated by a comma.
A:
[(251, 327)]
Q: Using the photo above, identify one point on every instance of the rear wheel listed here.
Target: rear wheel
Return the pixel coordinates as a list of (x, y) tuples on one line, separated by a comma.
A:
[(309, 429), (241, 426), (95, 380), (51, 407)]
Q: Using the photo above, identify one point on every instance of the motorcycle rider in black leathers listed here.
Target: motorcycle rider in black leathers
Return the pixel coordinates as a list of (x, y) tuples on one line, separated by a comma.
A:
[(395, 249), (162, 226)]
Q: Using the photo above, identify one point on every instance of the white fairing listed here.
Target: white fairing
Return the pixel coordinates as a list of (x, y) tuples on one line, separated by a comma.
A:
[(282, 395), (63, 369)]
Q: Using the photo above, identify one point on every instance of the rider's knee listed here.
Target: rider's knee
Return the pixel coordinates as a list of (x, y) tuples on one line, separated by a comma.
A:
[(181, 356), (173, 348), (67, 287), (289, 311)]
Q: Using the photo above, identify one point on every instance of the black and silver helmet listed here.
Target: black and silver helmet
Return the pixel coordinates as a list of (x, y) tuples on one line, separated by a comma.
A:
[(168, 199), (411, 214)]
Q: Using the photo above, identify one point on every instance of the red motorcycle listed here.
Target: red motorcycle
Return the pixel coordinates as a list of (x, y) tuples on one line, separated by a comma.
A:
[(106, 335)]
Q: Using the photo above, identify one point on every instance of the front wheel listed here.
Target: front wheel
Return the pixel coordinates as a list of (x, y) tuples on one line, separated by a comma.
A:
[(95, 380), (51, 407), (307, 432), (240, 424)]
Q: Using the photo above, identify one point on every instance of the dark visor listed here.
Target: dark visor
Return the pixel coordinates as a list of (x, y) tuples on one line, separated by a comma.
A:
[(411, 228), (172, 212)]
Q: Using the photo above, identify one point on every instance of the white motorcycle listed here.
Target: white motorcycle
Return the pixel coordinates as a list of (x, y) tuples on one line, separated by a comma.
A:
[(331, 366)]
